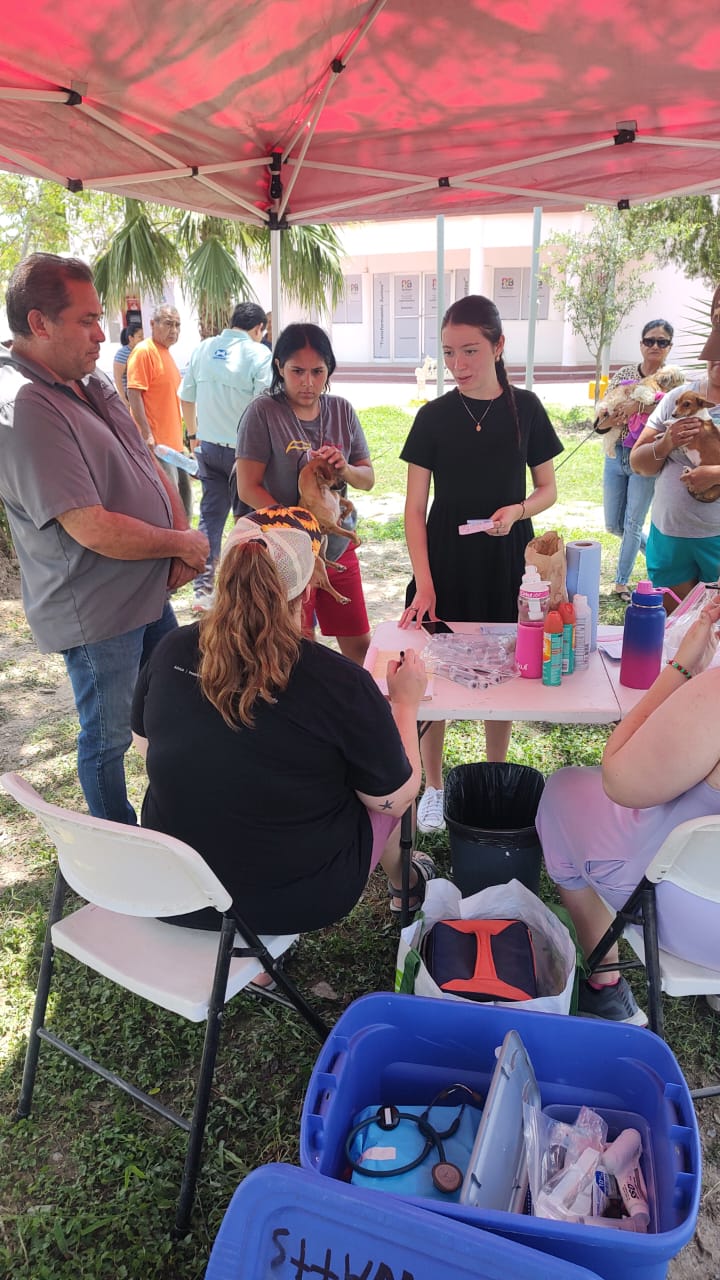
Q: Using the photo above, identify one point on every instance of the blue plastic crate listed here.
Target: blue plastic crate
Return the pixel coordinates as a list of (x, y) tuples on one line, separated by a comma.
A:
[(291, 1225), (404, 1049)]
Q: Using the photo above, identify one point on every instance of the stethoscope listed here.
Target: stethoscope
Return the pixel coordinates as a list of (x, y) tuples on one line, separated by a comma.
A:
[(446, 1176)]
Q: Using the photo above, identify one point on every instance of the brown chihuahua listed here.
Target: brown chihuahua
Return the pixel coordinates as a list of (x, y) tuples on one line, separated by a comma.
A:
[(705, 449), (318, 485)]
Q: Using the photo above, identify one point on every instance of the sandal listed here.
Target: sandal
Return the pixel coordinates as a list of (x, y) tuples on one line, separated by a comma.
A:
[(426, 870), (623, 594), (260, 988)]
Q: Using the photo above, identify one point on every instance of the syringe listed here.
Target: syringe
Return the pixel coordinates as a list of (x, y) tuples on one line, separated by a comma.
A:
[(459, 676)]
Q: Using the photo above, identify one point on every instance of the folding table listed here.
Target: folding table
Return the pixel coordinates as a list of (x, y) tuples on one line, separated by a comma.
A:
[(589, 696)]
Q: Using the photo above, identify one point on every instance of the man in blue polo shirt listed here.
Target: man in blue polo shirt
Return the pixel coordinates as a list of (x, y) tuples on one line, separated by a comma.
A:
[(100, 532), (224, 374)]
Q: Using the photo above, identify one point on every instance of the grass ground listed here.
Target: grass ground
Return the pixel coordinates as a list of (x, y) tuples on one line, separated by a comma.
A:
[(88, 1184)]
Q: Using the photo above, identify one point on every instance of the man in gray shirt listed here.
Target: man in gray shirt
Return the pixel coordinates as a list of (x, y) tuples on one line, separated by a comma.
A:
[(100, 533), (224, 374)]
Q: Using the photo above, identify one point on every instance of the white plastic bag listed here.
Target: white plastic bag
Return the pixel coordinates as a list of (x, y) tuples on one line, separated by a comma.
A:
[(682, 618), (555, 954)]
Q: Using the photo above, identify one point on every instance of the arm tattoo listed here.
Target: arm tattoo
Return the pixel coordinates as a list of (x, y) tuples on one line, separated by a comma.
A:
[(388, 804)]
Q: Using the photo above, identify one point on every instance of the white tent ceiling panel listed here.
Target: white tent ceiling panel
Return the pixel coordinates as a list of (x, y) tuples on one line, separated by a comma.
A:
[(379, 110)]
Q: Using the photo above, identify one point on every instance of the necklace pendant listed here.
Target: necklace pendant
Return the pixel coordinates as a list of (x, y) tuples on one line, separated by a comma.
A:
[(478, 426)]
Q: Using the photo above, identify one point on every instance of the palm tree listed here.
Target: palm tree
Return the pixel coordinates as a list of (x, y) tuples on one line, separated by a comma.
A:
[(139, 258), (155, 243)]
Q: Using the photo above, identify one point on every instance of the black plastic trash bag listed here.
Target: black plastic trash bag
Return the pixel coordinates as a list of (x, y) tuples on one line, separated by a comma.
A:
[(490, 814)]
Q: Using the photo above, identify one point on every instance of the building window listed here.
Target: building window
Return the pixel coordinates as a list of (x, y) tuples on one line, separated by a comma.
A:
[(349, 308)]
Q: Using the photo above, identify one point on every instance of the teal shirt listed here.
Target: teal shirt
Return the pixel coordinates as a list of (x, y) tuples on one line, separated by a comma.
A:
[(224, 374)]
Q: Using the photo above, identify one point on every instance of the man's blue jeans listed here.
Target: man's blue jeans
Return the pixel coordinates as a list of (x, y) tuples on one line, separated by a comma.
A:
[(103, 678), (215, 462), (627, 498)]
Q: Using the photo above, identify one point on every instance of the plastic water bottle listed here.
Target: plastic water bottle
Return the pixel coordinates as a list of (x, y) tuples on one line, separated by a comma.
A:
[(552, 649), (175, 458), (583, 631), (643, 637), (533, 602)]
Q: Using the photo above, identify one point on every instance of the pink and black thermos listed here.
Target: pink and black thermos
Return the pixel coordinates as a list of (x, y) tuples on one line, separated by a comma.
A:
[(643, 637)]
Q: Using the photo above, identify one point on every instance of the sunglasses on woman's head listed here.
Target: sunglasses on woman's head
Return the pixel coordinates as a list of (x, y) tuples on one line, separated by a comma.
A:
[(657, 342)]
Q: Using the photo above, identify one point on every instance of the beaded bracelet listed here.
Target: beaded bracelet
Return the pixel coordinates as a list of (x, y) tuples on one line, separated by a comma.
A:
[(522, 513), (683, 670)]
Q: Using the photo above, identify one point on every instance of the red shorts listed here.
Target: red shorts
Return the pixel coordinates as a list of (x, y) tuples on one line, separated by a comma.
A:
[(339, 619)]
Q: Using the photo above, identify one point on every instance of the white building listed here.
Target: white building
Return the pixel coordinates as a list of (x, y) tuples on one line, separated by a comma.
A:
[(388, 317), (390, 309)]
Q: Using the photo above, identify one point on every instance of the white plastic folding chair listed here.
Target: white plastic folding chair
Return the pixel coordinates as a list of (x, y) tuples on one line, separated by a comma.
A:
[(127, 876), (690, 859)]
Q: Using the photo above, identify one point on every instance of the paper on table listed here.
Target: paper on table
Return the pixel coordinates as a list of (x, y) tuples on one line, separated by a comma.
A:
[(376, 663), (613, 648)]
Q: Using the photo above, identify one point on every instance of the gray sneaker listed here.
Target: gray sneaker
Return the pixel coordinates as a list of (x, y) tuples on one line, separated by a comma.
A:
[(614, 1003)]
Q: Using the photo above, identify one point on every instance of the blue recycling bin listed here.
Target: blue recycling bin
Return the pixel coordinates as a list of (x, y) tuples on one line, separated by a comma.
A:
[(285, 1223), (405, 1049)]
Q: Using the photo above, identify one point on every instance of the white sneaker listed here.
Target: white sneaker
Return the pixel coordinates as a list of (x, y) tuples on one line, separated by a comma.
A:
[(430, 815), (714, 1002)]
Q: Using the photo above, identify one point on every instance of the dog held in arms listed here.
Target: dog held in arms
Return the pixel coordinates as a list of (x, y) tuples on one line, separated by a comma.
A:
[(705, 450), (623, 404)]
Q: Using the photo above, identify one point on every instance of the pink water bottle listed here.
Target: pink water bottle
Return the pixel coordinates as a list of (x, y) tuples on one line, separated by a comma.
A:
[(643, 637), (533, 602)]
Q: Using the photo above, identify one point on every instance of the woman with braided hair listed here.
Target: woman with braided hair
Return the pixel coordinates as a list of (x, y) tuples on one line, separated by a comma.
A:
[(474, 444)]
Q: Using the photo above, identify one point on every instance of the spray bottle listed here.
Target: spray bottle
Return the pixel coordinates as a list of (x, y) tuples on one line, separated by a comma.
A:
[(583, 631), (552, 649), (567, 613)]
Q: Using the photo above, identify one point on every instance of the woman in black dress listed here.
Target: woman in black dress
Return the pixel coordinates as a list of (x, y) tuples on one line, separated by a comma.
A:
[(475, 444)]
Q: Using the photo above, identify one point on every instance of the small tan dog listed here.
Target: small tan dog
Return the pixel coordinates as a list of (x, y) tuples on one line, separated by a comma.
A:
[(705, 451), (622, 403), (318, 485)]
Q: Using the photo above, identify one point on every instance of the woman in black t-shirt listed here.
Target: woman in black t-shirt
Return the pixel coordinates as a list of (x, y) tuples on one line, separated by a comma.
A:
[(474, 444), (276, 759)]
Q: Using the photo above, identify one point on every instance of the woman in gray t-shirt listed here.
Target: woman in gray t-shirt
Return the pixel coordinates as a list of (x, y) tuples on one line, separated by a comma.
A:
[(279, 432)]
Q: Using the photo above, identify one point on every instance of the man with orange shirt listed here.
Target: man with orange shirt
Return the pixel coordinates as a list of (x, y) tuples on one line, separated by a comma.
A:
[(153, 379)]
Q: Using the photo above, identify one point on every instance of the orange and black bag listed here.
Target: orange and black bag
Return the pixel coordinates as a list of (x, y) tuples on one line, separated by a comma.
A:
[(482, 959)]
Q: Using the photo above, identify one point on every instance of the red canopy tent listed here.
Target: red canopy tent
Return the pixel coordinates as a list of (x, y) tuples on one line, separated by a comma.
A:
[(346, 109)]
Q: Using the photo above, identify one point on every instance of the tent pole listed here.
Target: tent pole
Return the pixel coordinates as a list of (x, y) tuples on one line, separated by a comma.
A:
[(440, 273), (533, 300), (275, 257)]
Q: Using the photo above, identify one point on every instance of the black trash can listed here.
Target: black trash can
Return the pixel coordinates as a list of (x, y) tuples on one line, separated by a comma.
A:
[(490, 814)]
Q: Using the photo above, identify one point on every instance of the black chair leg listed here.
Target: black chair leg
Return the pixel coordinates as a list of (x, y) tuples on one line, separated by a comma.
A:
[(41, 998), (652, 960), (406, 843), (614, 931), (205, 1077), (256, 948)]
